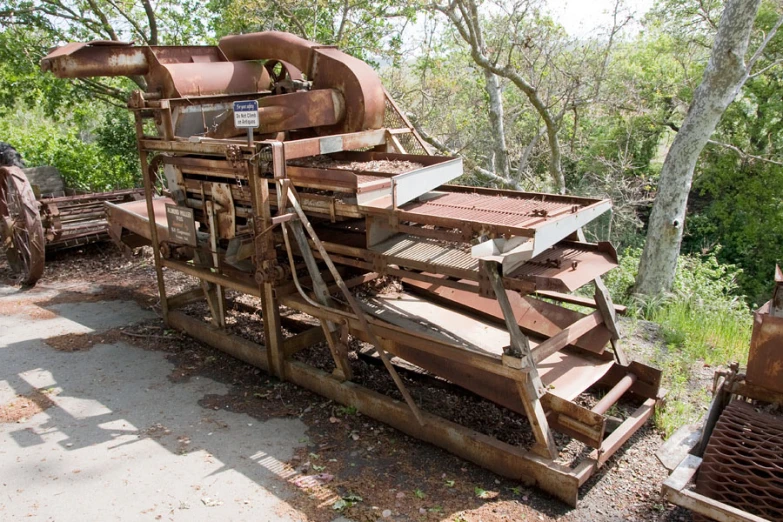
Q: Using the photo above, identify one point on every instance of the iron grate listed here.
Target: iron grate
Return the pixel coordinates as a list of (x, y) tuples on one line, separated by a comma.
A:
[(743, 462)]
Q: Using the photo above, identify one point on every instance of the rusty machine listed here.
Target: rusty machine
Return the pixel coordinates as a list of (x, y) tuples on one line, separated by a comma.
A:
[(730, 468), (32, 222), (333, 189)]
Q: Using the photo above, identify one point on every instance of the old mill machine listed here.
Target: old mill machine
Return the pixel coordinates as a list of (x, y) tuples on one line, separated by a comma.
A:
[(333, 189)]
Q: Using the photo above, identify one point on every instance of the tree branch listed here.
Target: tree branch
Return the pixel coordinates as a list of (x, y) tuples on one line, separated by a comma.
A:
[(131, 21), (763, 44), (152, 20), (477, 170)]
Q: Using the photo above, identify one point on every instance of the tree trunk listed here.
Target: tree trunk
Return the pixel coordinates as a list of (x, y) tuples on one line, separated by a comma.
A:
[(498, 130), (725, 74)]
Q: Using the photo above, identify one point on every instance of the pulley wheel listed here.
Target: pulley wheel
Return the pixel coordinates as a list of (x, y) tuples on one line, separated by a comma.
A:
[(281, 75), (21, 232), (743, 461)]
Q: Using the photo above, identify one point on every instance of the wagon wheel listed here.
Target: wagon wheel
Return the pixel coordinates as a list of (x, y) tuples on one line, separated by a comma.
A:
[(21, 232), (282, 75)]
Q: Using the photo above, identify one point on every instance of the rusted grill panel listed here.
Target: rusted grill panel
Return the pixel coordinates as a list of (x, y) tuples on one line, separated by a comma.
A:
[(493, 210), (426, 251), (742, 464)]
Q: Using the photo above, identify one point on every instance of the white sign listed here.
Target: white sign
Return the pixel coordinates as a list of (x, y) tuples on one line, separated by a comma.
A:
[(246, 114)]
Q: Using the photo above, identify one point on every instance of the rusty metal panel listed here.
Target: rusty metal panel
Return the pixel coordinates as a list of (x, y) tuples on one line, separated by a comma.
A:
[(765, 359), (743, 462), (326, 67), (133, 216), (568, 265), (534, 316)]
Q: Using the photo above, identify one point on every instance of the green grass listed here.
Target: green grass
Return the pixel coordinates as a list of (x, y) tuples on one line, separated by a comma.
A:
[(703, 322), (718, 336)]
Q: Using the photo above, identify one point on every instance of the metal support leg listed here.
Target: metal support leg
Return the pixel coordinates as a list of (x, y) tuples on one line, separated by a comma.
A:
[(604, 302), (273, 334), (531, 388), (336, 346), (148, 189)]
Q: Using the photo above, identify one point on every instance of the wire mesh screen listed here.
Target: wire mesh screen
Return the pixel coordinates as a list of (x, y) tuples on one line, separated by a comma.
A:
[(392, 119), (743, 462)]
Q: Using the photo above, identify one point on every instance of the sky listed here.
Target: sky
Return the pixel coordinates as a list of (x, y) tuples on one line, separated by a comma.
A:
[(580, 17)]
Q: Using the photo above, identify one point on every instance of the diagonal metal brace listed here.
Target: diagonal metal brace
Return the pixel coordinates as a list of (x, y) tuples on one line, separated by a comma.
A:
[(291, 193)]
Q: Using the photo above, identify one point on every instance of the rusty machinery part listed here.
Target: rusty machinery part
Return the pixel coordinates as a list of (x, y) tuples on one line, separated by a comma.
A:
[(170, 71), (354, 99), (72, 221), (275, 274), (20, 224), (743, 462), (284, 77), (326, 67), (387, 212), (765, 368)]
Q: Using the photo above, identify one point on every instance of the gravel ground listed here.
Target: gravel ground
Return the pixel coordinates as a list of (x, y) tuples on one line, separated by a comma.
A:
[(371, 470)]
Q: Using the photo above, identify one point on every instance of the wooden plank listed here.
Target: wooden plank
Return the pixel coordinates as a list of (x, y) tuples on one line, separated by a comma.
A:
[(574, 420), (567, 336), (713, 509), (520, 346), (683, 473), (676, 448)]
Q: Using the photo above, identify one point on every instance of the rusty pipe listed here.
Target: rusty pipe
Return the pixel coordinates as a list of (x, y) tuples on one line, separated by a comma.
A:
[(326, 67), (613, 395), (271, 45), (298, 110), (84, 60)]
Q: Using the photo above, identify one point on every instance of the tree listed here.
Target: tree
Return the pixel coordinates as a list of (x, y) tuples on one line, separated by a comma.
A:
[(510, 45), (54, 22), (367, 29), (724, 77)]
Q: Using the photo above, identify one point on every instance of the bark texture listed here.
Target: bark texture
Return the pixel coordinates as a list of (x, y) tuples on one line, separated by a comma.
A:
[(724, 76), (500, 150)]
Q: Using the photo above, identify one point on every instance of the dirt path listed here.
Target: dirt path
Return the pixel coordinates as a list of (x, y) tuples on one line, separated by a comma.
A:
[(171, 429)]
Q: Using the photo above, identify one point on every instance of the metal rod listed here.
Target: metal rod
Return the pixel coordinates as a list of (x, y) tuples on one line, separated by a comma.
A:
[(148, 187), (613, 395), (353, 304)]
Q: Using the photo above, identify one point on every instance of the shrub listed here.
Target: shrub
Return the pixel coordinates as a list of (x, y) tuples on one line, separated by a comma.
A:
[(85, 165)]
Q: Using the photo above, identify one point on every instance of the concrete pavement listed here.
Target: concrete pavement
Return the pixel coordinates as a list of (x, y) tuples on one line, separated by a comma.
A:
[(122, 441)]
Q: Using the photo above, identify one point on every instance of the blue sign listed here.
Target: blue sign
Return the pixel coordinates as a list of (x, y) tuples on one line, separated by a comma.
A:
[(246, 114)]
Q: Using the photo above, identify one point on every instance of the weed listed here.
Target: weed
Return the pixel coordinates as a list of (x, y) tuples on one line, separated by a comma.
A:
[(344, 411)]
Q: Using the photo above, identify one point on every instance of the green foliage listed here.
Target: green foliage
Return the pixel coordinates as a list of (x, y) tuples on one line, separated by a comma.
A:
[(369, 30), (84, 165), (704, 318), (703, 322)]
